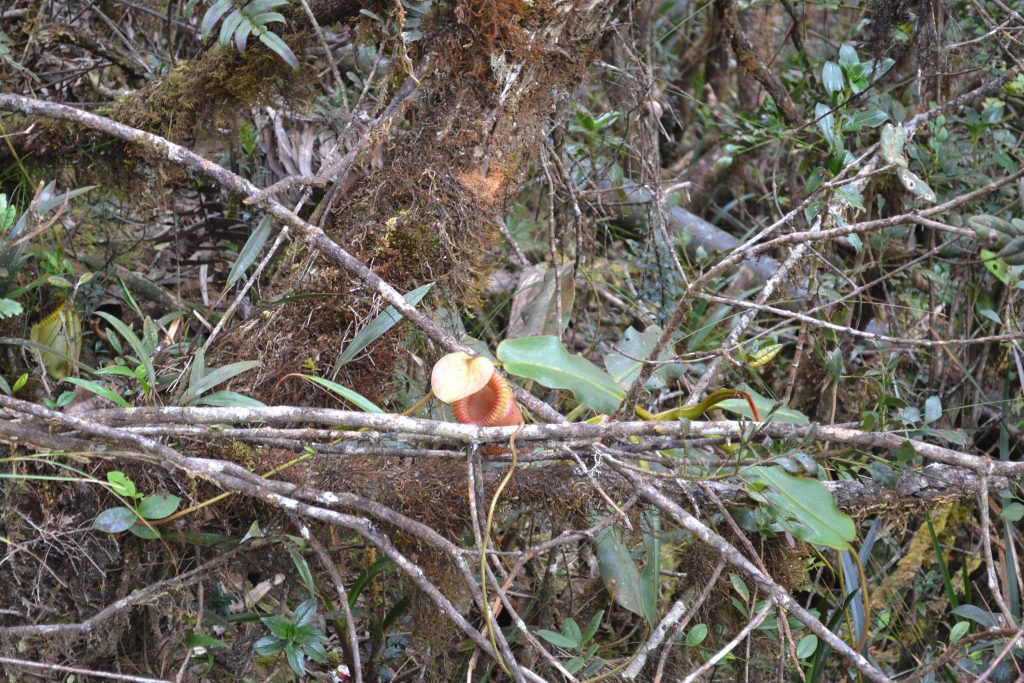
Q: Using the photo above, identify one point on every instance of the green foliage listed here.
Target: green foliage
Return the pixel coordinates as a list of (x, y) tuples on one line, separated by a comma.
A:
[(251, 19), (804, 507), (138, 509), (545, 360), (578, 642), (296, 637)]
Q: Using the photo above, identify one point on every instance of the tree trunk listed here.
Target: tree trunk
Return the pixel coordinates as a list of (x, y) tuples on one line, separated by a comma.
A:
[(422, 203)]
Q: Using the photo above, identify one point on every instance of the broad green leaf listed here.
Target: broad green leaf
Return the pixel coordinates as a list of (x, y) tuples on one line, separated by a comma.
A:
[(619, 574), (556, 639), (251, 250), (158, 505), (848, 55), (807, 645), (114, 520), (1013, 512), (572, 631), (142, 531), (352, 397), (740, 586), (591, 628), (545, 360), (871, 118), (804, 507), (958, 631), (832, 78), (121, 484), (696, 635), (377, 327)]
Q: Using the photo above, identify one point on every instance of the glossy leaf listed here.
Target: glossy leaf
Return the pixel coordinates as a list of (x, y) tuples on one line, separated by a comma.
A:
[(158, 505), (832, 78), (546, 361), (804, 507), (619, 574), (114, 520)]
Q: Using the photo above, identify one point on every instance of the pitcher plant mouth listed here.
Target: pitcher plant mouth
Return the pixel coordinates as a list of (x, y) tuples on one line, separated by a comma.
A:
[(478, 395), (492, 406)]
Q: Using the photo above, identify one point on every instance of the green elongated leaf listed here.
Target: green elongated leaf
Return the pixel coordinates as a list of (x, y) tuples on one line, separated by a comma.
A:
[(227, 29), (650, 576), (556, 639), (545, 360), (832, 78), (245, 28), (212, 16), (804, 507), (591, 628), (251, 250), (257, 6), (280, 48), (826, 121), (158, 505), (619, 574), (871, 118), (352, 397), (264, 18), (114, 520), (142, 352), (572, 631), (378, 327), (99, 390), (207, 380), (228, 399), (304, 573)]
